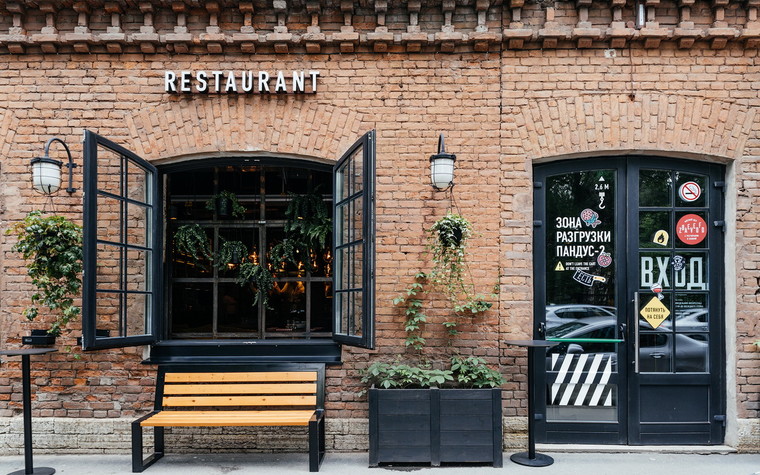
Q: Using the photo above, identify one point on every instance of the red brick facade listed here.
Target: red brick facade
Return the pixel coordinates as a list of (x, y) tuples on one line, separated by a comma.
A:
[(510, 85)]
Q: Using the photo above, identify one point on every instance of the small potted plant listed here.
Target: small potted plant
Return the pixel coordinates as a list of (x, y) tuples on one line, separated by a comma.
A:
[(226, 204), (51, 245), (192, 241)]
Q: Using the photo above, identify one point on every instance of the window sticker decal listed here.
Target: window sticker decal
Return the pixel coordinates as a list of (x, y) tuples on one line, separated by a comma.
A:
[(690, 191), (604, 259), (657, 289), (678, 263), (661, 237), (590, 217), (655, 312), (587, 279), (559, 267), (691, 229)]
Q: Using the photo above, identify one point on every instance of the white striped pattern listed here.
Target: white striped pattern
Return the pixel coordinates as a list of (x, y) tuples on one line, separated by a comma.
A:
[(570, 368)]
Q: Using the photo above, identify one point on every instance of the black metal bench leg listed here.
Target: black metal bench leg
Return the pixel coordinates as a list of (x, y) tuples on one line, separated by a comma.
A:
[(138, 464), (316, 440)]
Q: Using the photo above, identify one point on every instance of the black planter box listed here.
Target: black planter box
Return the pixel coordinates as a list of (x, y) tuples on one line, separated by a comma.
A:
[(38, 337), (435, 426)]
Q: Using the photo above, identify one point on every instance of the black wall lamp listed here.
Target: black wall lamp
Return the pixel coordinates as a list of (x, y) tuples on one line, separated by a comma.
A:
[(46, 171), (442, 167)]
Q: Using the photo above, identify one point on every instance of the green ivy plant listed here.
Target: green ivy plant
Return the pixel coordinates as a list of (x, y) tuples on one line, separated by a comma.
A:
[(52, 247), (238, 210), (448, 242), (191, 240), (415, 319), (259, 277), (472, 372)]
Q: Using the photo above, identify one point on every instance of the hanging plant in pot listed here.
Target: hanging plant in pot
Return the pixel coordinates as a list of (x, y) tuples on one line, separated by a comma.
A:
[(51, 245), (192, 241), (307, 229), (225, 204), (259, 278), (231, 253)]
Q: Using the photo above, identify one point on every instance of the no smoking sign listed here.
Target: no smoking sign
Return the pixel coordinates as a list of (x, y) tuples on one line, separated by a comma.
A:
[(690, 191)]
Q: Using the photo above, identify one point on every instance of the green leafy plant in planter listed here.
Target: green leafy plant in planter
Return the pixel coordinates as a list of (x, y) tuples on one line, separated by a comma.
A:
[(52, 247), (226, 203), (191, 240)]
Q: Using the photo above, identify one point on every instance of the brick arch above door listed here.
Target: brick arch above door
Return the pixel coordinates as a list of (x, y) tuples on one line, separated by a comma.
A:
[(207, 125), (677, 125)]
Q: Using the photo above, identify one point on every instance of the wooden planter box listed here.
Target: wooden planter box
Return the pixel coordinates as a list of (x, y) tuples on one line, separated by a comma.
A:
[(435, 426)]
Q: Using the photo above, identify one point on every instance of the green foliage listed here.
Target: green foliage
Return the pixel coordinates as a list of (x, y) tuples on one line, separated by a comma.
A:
[(448, 241), (414, 316), (231, 252), (399, 375), (259, 277), (306, 230), (191, 240), (308, 220), (472, 372), (52, 247), (237, 211)]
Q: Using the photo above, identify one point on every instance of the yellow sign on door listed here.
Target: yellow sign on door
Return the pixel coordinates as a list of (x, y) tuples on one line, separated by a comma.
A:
[(655, 312)]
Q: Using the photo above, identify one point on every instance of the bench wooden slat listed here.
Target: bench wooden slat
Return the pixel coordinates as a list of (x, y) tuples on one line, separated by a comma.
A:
[(242, 377), (229, 418), (178, 401), (237, 388)]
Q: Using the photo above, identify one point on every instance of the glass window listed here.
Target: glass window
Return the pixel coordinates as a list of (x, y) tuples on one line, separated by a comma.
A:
[(206, 298)]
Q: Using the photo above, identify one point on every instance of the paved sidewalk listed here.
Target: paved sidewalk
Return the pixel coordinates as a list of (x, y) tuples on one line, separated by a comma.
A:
[(354, 464)]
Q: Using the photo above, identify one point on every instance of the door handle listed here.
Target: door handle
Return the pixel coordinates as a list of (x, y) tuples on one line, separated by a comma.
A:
[(636, 332), (621, 329), (542, 330)]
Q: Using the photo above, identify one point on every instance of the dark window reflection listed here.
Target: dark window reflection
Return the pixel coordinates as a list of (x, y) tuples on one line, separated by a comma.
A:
[(206, 300)]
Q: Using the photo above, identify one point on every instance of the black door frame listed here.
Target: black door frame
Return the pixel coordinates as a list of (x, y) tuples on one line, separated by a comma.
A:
[(626, 205)]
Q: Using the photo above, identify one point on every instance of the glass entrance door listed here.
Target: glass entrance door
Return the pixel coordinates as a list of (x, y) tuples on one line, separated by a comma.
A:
[(627, 270)]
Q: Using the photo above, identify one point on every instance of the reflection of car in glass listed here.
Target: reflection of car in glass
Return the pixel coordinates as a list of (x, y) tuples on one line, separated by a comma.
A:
[(656, 348), (557, 315), (692, 320)]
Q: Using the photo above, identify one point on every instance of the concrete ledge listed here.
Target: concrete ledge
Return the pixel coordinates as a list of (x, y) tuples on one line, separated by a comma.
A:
[(638, 449)]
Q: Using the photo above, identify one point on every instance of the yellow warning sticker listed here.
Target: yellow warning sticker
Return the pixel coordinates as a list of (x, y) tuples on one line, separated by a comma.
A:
[(655, 312), (559, 267)]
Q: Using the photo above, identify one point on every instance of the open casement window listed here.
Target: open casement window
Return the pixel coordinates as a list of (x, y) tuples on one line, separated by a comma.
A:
[(121, 247), (354, 235)]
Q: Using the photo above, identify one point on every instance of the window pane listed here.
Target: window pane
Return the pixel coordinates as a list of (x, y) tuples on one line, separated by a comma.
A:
[(655, 269), (691, 229), (691, 189), (108, 311), (137, 306), (288, 308), (192, 310), (137, 182), (138, 225), (690, 270), (321, 306), (655, 230), (580, 388), (691, 352), (691, 312), (357, 272), (655, 188), (108, 220), (655, 352), (357, 214), (107, 267), (236, 311), (138, 271), (109, 171)]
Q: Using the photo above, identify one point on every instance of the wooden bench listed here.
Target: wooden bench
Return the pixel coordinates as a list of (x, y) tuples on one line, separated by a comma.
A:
[(227, 396)]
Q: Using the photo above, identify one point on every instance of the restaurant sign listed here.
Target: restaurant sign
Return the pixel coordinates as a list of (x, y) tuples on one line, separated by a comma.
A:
[(241, 82)]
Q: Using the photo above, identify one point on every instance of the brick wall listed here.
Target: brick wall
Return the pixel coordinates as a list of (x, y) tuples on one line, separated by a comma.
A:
[(502, 111)]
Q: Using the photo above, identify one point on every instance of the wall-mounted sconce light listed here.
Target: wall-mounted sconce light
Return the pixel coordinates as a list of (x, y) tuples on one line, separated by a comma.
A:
[(640, 13), (442, 167), (46, 171)]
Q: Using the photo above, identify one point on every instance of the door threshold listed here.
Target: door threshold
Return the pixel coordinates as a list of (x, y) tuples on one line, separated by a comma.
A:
[(660, 449)]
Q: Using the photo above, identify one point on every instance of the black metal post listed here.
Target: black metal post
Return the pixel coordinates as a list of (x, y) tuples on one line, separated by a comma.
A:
[(531, 458), (26, 398)]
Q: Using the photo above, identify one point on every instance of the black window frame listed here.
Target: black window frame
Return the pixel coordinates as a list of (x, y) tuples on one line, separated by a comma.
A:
[(366, 339), (91, 340)]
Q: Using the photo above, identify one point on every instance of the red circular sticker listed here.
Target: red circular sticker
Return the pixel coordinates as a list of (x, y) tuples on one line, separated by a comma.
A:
[(690, 191), (691, 229)]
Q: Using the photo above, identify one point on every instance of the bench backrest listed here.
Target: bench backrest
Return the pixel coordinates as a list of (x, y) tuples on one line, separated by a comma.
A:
[(264, 386)]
